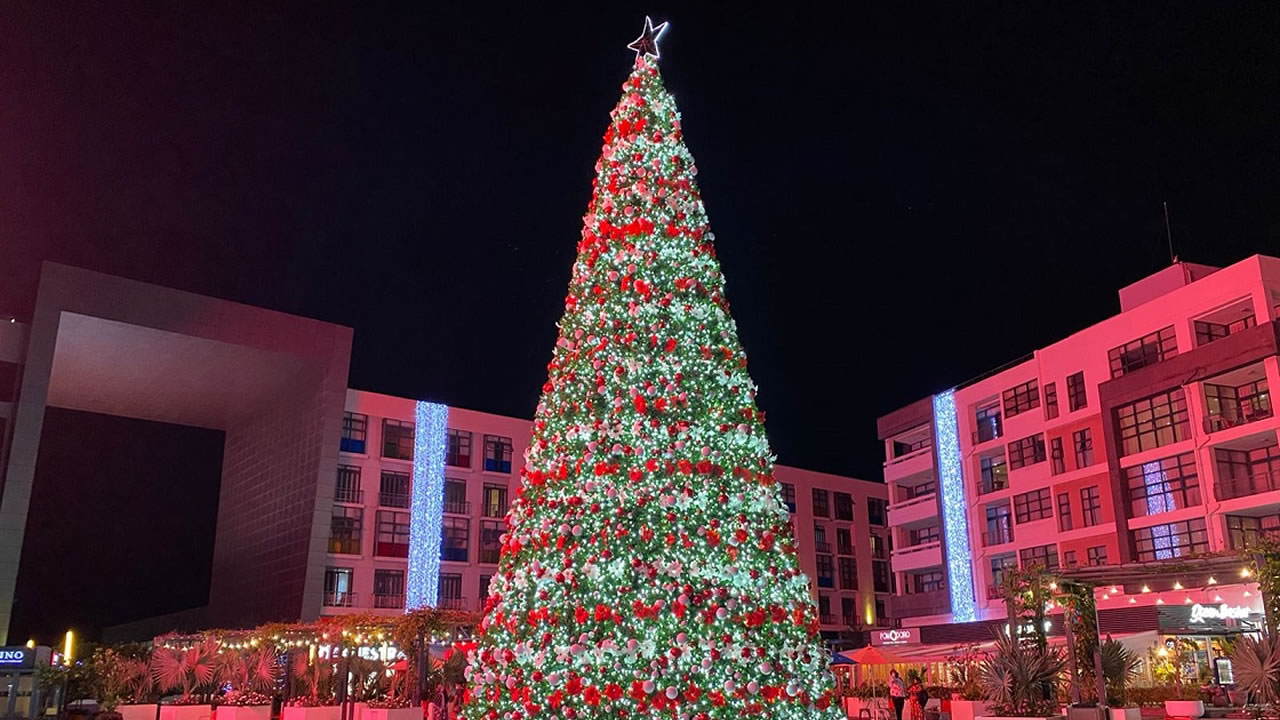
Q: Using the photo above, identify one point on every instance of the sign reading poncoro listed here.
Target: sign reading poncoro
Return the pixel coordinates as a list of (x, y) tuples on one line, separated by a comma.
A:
[(897, 636), (17, 657)]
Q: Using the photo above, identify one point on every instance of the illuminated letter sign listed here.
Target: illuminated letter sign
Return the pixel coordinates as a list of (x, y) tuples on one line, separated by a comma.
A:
[(897, 636), (1201, 613), (16, 657)]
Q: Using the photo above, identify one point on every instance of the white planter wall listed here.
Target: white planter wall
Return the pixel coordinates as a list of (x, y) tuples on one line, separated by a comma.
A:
[(186, 712), (327, 712), (409, 713), (138, 712), (243, 712)]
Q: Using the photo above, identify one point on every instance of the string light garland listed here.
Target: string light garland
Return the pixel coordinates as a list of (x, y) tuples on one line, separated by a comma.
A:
[(955, 517), (648, 568), (426, 505)]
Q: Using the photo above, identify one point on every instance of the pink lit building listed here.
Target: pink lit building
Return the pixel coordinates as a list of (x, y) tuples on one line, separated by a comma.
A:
[(1149, 436), (316, 514)]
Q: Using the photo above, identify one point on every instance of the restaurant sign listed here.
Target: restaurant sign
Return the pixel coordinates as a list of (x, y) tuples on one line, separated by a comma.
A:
[(896, 636), (1200, 619)]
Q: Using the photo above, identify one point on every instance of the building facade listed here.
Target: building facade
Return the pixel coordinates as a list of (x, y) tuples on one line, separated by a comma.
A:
[(1147, 437), (840, 522)]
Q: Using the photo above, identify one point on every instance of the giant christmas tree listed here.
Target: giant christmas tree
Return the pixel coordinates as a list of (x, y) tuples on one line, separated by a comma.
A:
[(648, 569)]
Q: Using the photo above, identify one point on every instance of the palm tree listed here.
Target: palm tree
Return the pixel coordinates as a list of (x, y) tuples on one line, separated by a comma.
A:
[(188, 669), (1256, 663), (1018, 680)]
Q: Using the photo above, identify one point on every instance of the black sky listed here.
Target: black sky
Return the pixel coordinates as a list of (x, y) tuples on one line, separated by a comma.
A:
[(903, 197)]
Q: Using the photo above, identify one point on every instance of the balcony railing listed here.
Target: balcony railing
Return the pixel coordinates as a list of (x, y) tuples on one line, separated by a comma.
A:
[(827, 619), (388, 601), (344, 545), (340, 599), (913, 452), (453, 603), (912, 502), (1235, 487), (348, 495), (489, 556), (457, 507), (992, 484), (844, 549), (997, 536), (1245, 414), (822, 547), (989, 430), (393, 499), (937, 602)]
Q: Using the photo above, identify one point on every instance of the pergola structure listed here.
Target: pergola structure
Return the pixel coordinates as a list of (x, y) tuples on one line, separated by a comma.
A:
[(1030, 594)]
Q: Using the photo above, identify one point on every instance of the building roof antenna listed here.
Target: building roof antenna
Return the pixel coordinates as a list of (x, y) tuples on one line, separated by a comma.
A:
[(1168, 233)]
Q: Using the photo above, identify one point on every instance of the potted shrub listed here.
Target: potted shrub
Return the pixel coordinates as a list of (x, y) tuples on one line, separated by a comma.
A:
[(140, 701), (251, 676), (967, 698), (189, 670), (1119, 666), (316, 700), (1019, 680), (1166, 666), (1256, 663)]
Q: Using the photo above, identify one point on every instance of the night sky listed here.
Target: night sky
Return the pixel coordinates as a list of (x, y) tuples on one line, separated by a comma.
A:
[(903, 198)]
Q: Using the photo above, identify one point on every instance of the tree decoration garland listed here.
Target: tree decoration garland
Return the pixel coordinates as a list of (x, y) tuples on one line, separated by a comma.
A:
[(648, 568)]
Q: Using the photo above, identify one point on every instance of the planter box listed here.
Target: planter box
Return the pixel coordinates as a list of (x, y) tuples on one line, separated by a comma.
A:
[(323, 712), (967, 709), (138, 712), (1129, 713), (1086, 713), (358, 710), (409, 713), (1184, 708), (186, 712), (243, 712)]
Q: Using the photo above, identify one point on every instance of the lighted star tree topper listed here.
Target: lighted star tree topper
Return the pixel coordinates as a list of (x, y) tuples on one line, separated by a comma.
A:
[(648, 568)]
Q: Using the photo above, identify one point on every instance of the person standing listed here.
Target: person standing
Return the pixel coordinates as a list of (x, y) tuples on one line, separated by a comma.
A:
[(916, 699), (897, 693)]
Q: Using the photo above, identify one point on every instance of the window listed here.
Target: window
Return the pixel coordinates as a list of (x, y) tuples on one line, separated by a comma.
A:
[(920, 536), (1021, 398), (915, 491), (1097, 555), (1153, 422), (880, 576), (451, 591), (878, 548), (926, 582), (484, 586), (345, 529), (848, 574), (456, 538), (844, 541), (1091, 506), (338, 582), (1077, 395), (1050, 401), (1027, 451), (881, 610), (1146, 350), (355, 431), (1175, 540), (1057, 463), (393, 534), (876, 511), (1227, 406), (820, 543), (826, 572), (989, 424), (1034, 505), (1069, 558), (995, 474), (494, 503), (397, 439), (388, 588), (455, 497), (1207, 332), (824, 610), (906, 448), (789, 496), (458, 450), (490, 541), (844, 506), (1082, 441), (849, 616), (1163, 485), (999, 567), (1244, 532), (1064, 512), (1246, 472), (820, 508), (1045, 556), (497, 453), (347, 488), (999, 526), (394, 489)]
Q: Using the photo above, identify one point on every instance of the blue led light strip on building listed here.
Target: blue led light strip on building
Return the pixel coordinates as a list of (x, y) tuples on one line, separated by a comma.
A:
[(955, 511), (426, 507)]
